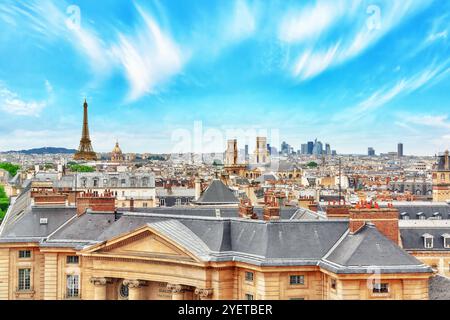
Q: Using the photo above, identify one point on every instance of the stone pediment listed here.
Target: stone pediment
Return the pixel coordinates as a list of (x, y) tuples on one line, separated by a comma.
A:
[(143, 243)]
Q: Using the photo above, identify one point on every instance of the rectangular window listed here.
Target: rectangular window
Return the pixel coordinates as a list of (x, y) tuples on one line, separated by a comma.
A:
[(24, 254), (24, 279), (145, 204), (73, 288), (73, 259), (428, 242), (380, 288), (447, 242), (249, 276), (333, 284), (249, 296), (178, 202), (162, 202), (297, 279)]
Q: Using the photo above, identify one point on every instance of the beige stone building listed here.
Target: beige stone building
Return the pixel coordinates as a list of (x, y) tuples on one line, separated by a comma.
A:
[(50, 252), (441, 179)]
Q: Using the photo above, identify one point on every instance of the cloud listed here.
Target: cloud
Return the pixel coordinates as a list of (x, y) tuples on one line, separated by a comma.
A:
[(334, 32), (434, 121), (310, 22), (243, 22), (386, 94), (149, 57), (11, 103)]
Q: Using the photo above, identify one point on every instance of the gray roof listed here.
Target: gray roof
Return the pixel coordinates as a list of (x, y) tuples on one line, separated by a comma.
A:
[(412, 238), (217, 193), (286, 213), (175, 192), (439, 288), (428, 210), (27, 223), (266, 177), (369, 249)]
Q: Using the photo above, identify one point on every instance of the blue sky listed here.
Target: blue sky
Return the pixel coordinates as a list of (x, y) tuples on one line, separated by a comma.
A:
[(351, 73)]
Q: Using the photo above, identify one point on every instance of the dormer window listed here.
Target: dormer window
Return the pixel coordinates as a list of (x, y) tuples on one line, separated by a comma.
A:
[(428, 241), (421, 216), (446, 237), (437, 216), (404, 215)]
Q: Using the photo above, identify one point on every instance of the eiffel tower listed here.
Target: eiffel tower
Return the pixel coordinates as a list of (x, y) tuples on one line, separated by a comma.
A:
[(85, 150)]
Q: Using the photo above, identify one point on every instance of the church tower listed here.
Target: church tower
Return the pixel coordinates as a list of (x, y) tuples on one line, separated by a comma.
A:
[(85, 150), (441, 178)]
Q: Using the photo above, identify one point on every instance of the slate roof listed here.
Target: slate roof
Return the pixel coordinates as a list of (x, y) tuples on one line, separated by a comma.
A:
[(27, 223), (210, 211), (267, 177), (439, 288), (217, 193), (412, 238), (278, 243), (368, 249), (428, 210)]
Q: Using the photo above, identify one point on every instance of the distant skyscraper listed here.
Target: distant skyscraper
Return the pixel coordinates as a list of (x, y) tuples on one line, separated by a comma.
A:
[(327, 149), (371, 152), (400, 149), (246, 152), (318, 148), (304, 148), (310, 147)]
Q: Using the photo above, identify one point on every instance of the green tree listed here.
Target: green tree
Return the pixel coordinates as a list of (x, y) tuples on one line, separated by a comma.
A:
[(4, 202), (81, 168), (11, 168), (312, 164)]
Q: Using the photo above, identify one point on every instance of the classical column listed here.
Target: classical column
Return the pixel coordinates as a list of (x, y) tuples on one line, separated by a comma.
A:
[(99, 287), (134, 289), (177, 291), (203, 294)]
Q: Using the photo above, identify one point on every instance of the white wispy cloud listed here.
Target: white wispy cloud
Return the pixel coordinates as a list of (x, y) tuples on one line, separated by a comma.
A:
[(12, 103), (312, 31), (434, 121), (149, 57), (386, 94)]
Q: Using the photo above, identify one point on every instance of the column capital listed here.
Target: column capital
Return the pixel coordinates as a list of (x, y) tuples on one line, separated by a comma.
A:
[(132, 283), (203, 293), (99, 281), (176, 288)]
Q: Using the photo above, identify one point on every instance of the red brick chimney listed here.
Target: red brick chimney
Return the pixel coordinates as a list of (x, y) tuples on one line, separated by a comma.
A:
[(98, 203), (338, 211), (272, 206), (246, 210), (385, 220)]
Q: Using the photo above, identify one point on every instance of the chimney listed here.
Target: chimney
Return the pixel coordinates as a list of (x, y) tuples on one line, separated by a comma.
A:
[(131, 204), (338, 211), (384, 219), (198, 188), (97, 203), (246, 210), (271, 208)]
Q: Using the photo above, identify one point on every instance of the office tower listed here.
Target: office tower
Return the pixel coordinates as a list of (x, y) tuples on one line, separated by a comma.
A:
[(318, 148), (327, 149), (310, 147), (371, 152), (246, 152), (304, 148), (400, 150)]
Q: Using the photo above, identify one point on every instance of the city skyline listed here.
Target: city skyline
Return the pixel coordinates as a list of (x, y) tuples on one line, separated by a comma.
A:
[(353, 74)]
